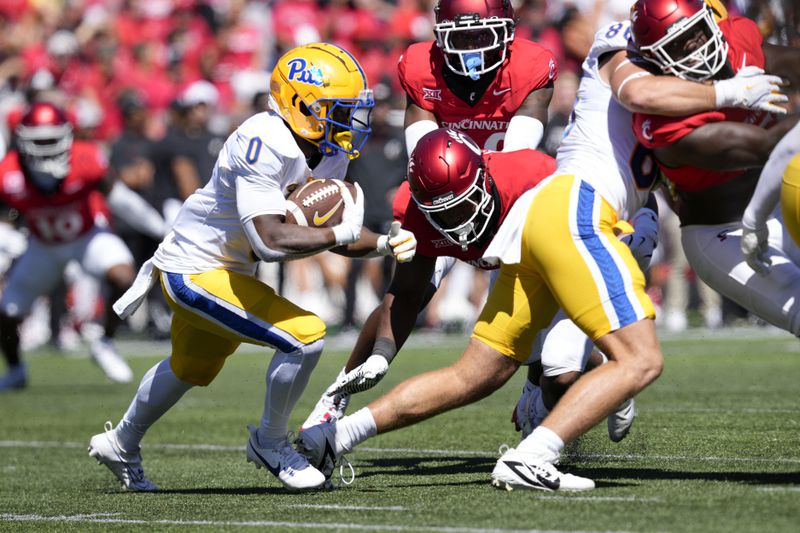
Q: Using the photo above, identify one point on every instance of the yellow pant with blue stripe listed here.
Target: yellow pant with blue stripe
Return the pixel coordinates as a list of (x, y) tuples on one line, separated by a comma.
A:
[(570, 259), (790, 198), (216, 311)]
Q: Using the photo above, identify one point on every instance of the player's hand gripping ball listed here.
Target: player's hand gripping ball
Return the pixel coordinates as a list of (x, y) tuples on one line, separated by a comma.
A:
[(318, 203)]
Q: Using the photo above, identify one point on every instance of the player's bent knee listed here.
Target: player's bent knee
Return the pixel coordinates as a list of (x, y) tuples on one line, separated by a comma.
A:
[(647, 365), (307, 329), (311, 349)]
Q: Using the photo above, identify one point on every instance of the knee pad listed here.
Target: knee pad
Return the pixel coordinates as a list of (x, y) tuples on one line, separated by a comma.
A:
[(307, 329)]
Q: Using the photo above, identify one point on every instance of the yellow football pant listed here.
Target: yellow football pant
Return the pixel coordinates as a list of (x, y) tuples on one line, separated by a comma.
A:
[(790, 198), (215, 311), (571, 259)]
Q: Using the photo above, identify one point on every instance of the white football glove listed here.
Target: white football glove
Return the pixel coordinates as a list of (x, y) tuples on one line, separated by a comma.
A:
[(399, 242), (12, 242), (752, 89), (349, 229), (755, 247), (644, 239), (361, 378)]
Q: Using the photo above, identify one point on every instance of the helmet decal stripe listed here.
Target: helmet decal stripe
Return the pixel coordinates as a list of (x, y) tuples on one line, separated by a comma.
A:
[(358, 65)]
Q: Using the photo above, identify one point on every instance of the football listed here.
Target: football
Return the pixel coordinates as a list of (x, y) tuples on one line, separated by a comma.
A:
[(318, 203)]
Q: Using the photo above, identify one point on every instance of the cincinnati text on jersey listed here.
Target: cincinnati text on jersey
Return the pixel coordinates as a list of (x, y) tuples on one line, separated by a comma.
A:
[(471, 124)]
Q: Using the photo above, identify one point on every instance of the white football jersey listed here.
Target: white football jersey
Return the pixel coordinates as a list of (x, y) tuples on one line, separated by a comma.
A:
[(599, 145), (257, 167)]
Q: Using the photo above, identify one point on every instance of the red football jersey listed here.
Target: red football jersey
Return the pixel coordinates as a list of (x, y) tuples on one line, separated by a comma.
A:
[(744, 49), (67, 214), (513, 174), (527, 67)]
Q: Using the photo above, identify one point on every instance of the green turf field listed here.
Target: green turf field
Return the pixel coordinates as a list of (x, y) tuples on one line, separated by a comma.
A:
[(716, 447)]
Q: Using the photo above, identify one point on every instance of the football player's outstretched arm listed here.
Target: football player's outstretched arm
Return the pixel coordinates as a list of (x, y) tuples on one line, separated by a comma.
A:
[(399, 242), (725, 146), (132, 208), (640, 91), (417, 122), (526, 127), (387, 328)]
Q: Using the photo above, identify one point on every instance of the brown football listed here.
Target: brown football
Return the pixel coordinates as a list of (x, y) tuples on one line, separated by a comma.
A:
[(318, 203)]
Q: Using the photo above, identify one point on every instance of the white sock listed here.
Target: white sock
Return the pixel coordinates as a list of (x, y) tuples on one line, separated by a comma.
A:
[(287, 377), (543, 442), (354, 429), (158, 391)]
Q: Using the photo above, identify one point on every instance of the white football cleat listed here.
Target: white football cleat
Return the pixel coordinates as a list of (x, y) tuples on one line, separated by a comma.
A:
[(328, 408), (520, 470), (318, 445), (113, 366), (287, 464), (621, 420), (127, 467), (530, 411), (15, 378)]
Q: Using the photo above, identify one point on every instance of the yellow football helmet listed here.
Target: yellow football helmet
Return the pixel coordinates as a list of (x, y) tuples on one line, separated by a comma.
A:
[(718, 8), (321, 92)]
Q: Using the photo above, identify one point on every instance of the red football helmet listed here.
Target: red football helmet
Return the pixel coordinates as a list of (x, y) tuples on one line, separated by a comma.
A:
[(680, 36), (43, 139), (474, 34), (450, 185)]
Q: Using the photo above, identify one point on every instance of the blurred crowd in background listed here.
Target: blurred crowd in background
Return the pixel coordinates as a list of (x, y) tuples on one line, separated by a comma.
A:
[(161, 83)]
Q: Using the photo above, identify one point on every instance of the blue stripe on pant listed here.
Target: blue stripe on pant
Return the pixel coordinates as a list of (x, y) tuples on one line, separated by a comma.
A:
[(226, 317), (605, 263)]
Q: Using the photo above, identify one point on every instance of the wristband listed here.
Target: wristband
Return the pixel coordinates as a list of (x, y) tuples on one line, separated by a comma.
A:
[(385, 347)]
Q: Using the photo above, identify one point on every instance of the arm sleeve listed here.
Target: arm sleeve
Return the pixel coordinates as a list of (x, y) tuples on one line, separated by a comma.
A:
[(133, 209), (523, 132), (768, 190), (416, 131)]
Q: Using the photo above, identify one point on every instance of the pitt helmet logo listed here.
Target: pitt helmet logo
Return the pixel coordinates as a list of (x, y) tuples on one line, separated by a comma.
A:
[(299, 70)]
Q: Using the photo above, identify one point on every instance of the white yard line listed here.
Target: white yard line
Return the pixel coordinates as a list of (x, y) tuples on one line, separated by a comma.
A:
[(96, 519), (778, 489), (346, 507), (714, 410), (420, 451)]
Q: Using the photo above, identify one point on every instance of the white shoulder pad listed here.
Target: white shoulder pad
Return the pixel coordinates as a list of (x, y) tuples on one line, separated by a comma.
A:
[(261, 145), (611, 38)]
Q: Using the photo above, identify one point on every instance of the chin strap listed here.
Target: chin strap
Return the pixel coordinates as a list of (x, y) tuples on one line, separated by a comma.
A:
[(345, 140), (342, 142)]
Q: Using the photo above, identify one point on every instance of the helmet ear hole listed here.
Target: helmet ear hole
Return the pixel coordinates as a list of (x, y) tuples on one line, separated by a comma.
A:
[(304, 108)]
